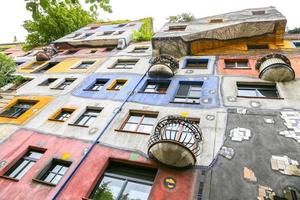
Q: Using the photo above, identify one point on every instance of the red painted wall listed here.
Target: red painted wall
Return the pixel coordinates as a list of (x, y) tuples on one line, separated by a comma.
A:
[(17, 145), (294, 59), (92, 169)]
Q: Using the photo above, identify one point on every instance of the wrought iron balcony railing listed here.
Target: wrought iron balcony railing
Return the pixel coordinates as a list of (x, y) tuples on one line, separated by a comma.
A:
[(276, 68), (163, 66), (175, 141)]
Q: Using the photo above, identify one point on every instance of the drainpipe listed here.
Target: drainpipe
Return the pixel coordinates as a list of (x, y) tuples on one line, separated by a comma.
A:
[(98, 137)]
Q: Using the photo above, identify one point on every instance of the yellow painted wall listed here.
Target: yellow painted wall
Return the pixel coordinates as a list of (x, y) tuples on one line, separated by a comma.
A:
[(68, 65), (28, 67), (42, 101)]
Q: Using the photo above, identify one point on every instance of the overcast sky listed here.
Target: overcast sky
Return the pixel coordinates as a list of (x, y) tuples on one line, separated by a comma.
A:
[(13, 12)]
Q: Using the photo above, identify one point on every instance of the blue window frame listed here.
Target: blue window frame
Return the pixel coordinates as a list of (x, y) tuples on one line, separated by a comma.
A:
[(196, 63), (189, 92)]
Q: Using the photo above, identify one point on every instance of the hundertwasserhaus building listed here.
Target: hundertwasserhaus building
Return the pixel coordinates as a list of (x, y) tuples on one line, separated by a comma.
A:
[(208, 110)]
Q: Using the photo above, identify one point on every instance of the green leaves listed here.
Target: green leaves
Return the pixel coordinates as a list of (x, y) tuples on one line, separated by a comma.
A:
[(57, 21), (39, 7), (7, 67), (146, 31), (184, 17)]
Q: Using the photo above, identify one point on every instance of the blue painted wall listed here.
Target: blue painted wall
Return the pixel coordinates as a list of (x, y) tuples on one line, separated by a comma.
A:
[(209, 97), (119, 95), (209, 92)]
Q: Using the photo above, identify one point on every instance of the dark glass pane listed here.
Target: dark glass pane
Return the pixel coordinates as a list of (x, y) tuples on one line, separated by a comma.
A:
[(24, 170), (136, 191), (18, 168), (109, 189), (183, 90)]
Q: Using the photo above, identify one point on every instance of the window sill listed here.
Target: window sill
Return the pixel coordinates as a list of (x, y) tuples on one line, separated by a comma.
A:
[(113, 89), (9, 178), (238, 68), (195, 68), (151, 92), (275, 98), (88, 90), (78, 125), (43, 182), (134, 132), (10, 117), (56, 88), (55, 120), (185, 103)]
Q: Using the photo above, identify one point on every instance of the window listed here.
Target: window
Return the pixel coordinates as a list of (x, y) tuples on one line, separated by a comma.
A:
[(93, 27), (85, 64), (47, 82), (188, 92), (88, 117), (257, 90), (140, 49), (297, 44), (125, 64), (97, 85), (23, 165), (257, 46), (232, 64), (84, 36), (120, 25), (47, 66), (109, 48), (138, 121), (258, 12), (117, 84), (93, 51), (193, 63), (18, 109), (54, 172), (108, 32), (123, 181), (62, 115), (177, 28), (159, 87), (119, 32), (19, 63), (71, 52), (65, 84), (217, 20)]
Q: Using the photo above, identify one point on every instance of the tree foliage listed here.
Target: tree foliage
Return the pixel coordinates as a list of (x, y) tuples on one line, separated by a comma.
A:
[(39, 7), (294, 31), (146, 31), (55, 22), (183, 17), (7, 67)]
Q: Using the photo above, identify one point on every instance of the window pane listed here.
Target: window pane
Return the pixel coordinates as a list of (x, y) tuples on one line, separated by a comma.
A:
[(134, 119), (247, 92), (145, 128), (267, 93), (109, 188), (149, 120), (130, 127), (90, 121), (183, 90), (56, 179), (34, 154), (26, 169), (63, 170), (136, 191), (18, 169), (49, 177), (56, 168), (194, 93)]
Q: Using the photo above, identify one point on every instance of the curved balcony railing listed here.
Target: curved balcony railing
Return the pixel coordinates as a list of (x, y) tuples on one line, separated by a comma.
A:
[(163, 66), (276, 68), (175, 141)]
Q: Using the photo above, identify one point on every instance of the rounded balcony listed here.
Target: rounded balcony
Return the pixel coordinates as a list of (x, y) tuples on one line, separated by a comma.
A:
[(276, 68), (175, 142), (163, 66)]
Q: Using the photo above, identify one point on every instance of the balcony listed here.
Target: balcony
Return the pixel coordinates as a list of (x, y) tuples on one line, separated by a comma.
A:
[(163, 66), (276, 68), (175, 142)]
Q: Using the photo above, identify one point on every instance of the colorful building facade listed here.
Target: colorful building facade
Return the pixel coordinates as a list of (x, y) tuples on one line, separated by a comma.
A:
[(207, 110)]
